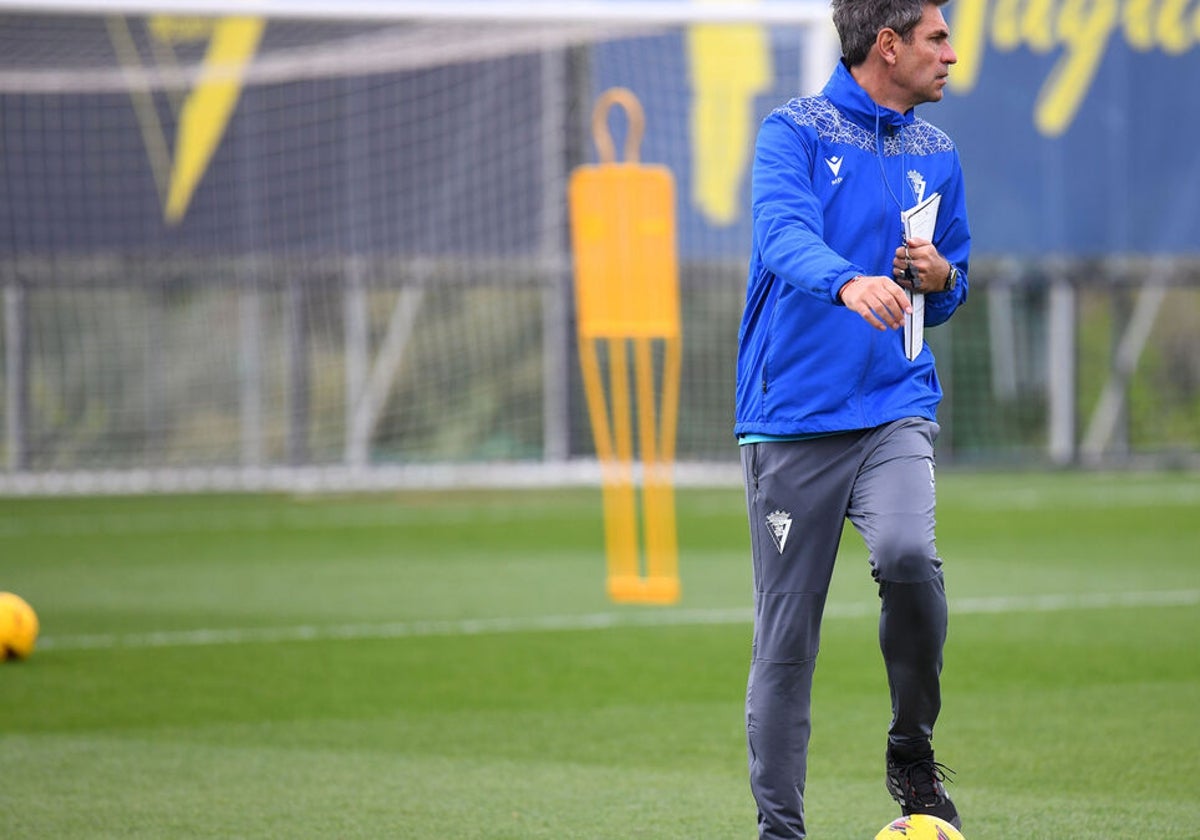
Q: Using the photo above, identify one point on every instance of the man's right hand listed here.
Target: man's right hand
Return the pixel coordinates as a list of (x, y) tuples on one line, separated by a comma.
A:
[(880, 301)]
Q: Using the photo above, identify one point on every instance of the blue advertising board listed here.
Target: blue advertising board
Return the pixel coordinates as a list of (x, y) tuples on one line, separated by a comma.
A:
[(1076, 121)]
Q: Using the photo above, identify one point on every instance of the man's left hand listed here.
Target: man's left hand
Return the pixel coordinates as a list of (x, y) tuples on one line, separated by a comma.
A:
[(918, 266)]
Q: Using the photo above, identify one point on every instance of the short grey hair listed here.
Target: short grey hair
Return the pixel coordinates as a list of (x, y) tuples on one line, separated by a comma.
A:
[(858, 22)]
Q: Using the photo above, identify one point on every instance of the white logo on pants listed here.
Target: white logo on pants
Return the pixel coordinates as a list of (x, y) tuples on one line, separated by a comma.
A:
[(780, 523)]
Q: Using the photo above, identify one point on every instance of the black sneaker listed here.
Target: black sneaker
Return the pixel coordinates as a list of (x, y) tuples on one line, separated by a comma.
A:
[(918, 787)]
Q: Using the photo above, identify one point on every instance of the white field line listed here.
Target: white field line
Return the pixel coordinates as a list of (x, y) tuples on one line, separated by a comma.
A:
[(588, 621)]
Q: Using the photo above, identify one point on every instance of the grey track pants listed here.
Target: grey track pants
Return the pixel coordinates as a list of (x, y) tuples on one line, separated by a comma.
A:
[(798, 496)]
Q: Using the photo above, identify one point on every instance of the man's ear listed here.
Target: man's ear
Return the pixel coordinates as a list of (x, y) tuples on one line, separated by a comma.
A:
[(887, 42)]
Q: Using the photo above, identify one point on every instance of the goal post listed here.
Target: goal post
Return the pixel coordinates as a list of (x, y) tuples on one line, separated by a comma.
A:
[(673, 12), (266, 245)]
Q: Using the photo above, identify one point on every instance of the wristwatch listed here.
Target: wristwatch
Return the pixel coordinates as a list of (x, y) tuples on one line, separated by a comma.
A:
[(952, 279)]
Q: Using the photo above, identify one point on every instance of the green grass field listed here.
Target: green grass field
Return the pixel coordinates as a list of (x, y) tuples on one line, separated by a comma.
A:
[(447, 666)]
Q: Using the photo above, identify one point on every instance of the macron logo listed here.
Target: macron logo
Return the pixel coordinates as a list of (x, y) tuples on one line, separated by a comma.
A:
[(834, 164)]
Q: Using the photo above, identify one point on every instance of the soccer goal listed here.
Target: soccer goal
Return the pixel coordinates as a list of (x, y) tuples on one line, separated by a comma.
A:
[(288, 245)]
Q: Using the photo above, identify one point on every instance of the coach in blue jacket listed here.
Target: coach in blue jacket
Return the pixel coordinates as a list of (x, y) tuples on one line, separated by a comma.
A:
[(834, 420)]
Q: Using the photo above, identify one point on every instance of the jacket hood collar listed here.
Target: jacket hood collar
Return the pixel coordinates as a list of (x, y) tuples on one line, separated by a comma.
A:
[(844, 91)]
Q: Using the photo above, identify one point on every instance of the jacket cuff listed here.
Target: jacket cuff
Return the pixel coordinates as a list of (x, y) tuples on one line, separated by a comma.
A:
[(841, 280)]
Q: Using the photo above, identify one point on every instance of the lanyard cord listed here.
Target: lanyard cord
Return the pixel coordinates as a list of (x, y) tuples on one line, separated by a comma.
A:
[(882, 170), (908, 271)]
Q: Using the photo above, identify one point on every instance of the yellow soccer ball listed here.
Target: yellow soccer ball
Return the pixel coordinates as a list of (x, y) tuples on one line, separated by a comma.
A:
[(18, 627), (919, 827)]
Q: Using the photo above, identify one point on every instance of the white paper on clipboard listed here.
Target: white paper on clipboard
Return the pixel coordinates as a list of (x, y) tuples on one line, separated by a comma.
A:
[(919, 222)]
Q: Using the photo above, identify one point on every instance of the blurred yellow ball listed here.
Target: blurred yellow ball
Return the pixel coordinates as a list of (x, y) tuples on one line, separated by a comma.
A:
[(18, 627)]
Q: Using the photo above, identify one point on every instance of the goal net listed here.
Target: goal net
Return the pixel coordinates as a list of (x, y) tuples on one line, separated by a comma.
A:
[(299, 245)]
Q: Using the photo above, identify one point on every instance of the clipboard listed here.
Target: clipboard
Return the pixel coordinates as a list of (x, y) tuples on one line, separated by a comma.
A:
[(919, 222)]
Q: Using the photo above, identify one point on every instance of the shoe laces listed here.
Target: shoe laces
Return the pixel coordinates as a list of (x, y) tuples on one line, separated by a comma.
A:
[(925, 778)]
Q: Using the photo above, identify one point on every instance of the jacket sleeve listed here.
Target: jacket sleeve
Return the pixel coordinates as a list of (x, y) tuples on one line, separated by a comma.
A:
[(788, 218), (954, 243)]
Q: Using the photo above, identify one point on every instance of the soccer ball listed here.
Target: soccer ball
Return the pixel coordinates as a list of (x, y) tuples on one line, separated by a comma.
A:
[(18, 627), (919, 827)]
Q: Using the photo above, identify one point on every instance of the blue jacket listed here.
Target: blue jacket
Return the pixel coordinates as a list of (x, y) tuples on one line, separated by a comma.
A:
[(831, 175)]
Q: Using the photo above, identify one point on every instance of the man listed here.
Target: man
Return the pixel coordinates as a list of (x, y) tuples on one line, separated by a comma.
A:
[(833, 419)]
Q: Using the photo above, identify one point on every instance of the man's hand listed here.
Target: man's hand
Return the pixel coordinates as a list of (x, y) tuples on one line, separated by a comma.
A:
[(917, 265), (879, 301)]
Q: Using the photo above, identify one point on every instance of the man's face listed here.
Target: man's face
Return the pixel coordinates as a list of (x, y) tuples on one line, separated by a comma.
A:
[(923, 61)]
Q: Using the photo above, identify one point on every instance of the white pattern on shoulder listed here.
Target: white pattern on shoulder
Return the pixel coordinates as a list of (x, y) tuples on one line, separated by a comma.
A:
[(831, 126)]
